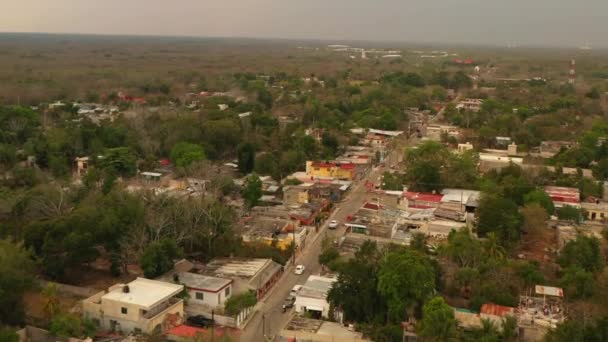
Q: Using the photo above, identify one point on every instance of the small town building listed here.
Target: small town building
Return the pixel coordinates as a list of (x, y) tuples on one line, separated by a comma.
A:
[(312, 297), (258, 275), (422, 200), (549, 149), (462, 148), (472, 105), (141, 306), (596, 211), (563, 196), (343, 171), (204, 290), (305, 329), (496, 313), (82, 166)]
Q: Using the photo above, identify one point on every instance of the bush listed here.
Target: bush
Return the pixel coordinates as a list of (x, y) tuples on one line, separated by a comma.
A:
[(237, 303)]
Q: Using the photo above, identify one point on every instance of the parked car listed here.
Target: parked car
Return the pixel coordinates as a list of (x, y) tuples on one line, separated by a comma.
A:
[(294, 290), (200, 321), (333, 224), (288, 303), (299, 269)]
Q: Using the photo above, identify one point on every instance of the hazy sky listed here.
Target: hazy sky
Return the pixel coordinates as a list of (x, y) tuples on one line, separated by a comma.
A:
[(499, 22)]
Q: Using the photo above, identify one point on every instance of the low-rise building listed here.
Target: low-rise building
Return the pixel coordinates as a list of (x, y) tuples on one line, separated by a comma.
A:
[(204, 290), (313, 330), (473, 105), (142, 306), (344, 171), (422, 200), (596, 211), (258, 275), (434, 132), (496, 313), (549, 149), (563, 196), (312, 297), (539, 313), (273, 230)]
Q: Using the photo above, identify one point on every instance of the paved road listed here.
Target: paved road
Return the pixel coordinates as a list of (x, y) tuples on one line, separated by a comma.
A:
[(270, 319)]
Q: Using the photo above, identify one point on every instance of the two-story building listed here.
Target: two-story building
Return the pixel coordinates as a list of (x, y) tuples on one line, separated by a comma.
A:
[(344, 171), (141, 306)]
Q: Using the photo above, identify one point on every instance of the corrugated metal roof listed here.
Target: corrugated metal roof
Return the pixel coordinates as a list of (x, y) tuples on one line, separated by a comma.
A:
[(496, 310)]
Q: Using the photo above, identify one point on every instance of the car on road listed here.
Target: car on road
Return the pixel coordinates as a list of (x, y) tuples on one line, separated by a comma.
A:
[(288, 302), (333, 224), (294, 290), (200, 321), (299, 269)]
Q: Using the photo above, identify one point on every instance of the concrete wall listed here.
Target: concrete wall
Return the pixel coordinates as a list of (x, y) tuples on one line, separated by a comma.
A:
[(212, 299), (302, 303)]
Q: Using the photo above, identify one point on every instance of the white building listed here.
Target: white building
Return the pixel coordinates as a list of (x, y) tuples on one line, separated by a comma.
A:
[(143, 305), (205, 290), (312, 297)]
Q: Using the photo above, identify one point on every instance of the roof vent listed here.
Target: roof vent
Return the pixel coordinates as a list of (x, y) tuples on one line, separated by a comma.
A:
[(126, 289), (176, 278)]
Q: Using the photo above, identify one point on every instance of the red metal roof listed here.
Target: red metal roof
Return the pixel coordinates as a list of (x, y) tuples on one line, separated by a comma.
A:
[(185, 331), (496, 310), (423, 196)]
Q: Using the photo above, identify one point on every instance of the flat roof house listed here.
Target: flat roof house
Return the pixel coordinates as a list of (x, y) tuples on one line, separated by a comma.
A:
[(312, 297), (143, 305), (258, 275), (204, 290)]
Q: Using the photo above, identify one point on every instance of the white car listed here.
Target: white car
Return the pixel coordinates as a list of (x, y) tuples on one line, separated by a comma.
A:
[(333, 224), (299, 269), (295, 290)]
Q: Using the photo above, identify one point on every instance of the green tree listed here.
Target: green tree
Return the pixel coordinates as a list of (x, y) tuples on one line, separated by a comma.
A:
[(8, 335), (501, 216), (158, 257), (265, 98), (569, 213), (184, 154), (438, 322), (17, 270), (540, 196), (51, 304), (584, 252), (246, 157), (356, 290), (267, 164), (463, 248), (235, 304), (69, 325), (578, 282), (406, 278), (121, 160), (252, 191)]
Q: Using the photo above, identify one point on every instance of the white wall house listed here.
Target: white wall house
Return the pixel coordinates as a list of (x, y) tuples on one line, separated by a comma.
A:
[(143, 305), (205, 290), (312, 297)]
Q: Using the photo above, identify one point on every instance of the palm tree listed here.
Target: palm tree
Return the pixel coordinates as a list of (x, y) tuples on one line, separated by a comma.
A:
[(51, 306), (493, 247)]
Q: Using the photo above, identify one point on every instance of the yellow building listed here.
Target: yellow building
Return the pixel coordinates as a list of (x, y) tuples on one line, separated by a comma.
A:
[(344, 171), (596, 211)]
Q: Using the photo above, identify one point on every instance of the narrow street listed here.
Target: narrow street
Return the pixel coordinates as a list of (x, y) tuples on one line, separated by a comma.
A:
[(270, 319)]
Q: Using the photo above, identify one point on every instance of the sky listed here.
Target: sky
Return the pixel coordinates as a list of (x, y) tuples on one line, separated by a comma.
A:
[(494, 22)]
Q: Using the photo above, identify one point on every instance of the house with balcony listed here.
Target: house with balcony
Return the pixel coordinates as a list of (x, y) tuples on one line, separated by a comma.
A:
[(141, 306)]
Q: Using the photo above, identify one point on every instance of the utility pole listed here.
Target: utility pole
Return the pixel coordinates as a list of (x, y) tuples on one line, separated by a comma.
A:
[(264, 326), (212, 325)]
